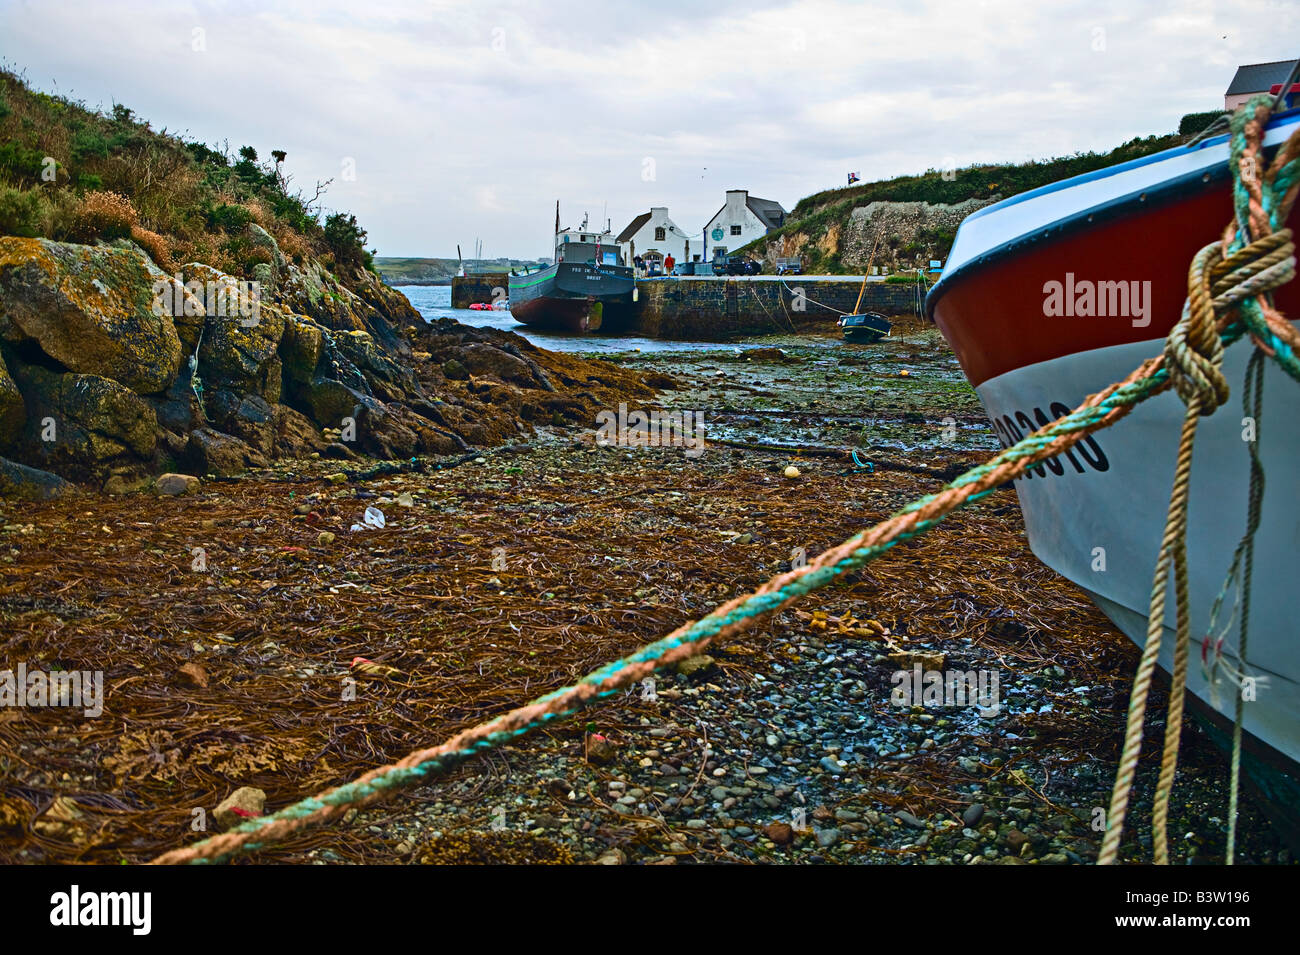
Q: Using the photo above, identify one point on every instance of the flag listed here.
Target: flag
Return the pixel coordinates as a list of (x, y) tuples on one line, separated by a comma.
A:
[(853, 177)]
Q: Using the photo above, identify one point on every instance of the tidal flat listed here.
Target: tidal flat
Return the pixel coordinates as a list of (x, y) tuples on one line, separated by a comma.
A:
[(504, 575)]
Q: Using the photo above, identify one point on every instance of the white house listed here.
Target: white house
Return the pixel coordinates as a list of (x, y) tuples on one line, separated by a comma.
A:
[(742, 219), (1256, 78), (652, 235)]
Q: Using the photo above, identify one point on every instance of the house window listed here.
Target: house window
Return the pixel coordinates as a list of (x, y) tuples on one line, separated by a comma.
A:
[(661, 234), (735, 230)]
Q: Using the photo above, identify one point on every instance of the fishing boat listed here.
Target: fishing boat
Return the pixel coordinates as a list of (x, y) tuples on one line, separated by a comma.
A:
[(589, 273), (1052, 295), (866, 327)]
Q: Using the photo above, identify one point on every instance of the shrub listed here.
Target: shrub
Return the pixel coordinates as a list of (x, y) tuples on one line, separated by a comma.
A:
[(346, 239), (293, 245), (1193, 123), (20, 212), (229, 218), (104, 215), (155, 245)]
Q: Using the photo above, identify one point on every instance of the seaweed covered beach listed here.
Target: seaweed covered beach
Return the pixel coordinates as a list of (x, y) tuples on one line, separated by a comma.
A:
[(264, 633)]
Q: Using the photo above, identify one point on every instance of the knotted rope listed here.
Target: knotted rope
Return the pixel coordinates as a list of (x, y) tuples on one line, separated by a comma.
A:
[(1229, 283), (729, 619)]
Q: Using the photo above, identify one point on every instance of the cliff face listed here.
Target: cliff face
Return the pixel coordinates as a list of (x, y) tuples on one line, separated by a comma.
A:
[(911, 234)]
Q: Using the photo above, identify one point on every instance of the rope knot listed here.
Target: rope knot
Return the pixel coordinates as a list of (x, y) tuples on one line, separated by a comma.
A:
[(1193, 349)]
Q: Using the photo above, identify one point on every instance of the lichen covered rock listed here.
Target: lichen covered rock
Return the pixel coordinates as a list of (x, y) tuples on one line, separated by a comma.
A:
[(91, 310)]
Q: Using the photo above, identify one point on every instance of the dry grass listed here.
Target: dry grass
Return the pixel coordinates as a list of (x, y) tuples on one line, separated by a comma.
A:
[(104, 215)]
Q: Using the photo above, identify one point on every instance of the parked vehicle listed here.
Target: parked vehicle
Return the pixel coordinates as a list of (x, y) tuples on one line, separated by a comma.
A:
[(793, 266), (736, 265)]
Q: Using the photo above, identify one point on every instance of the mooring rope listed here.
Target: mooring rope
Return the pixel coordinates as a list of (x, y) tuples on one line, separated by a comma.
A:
[(733, 617), (1227, 280)]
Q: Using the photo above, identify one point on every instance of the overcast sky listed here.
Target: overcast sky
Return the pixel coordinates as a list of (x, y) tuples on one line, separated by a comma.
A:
[(467, 120)]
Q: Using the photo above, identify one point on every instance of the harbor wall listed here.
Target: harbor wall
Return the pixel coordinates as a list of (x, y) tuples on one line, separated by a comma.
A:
[(719, 308), (477, 289)]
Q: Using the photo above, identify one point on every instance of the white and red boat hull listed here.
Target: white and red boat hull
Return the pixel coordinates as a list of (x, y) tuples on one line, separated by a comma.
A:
[(1096, 515)]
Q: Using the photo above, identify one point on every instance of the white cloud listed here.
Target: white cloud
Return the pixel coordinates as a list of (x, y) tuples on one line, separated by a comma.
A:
[(470, 119)]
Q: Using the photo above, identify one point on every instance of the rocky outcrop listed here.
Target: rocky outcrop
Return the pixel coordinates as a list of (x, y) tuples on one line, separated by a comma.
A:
[(112, 372)]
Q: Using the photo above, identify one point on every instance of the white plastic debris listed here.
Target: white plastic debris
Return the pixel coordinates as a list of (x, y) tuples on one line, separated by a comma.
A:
[(374, 519)]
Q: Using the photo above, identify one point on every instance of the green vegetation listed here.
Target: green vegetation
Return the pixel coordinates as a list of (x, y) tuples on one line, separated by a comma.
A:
[(1193, 123), (71, 173)]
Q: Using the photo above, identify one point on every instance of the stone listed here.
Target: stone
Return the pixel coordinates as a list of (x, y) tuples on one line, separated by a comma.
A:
[(238, 351), (827, 837), (174, 485), (1016, 840), (695, 664), (241, 805), (779, 832), (972, 816), (613, 857), (32, 484), (212, 452), (599, 749), (927, 660), (791, 471), (96, 424), (91, 309), (831, 765)]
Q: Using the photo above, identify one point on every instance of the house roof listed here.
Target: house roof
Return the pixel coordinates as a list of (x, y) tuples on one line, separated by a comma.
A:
[(633, 227), (770, 213), (1258, 77)]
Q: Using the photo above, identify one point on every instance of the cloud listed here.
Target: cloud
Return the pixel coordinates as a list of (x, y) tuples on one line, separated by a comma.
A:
[(469, 119)]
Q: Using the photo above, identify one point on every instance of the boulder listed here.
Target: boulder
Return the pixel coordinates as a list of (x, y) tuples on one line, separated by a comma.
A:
[(249, 418), (84, 427), (211, 452), (20, 481), (174, 485), (329, 401), (301, 347), (295, 435), (90, 309), (485, 359)]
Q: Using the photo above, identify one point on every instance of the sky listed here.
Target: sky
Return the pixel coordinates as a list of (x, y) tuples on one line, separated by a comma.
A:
[(461, 122)]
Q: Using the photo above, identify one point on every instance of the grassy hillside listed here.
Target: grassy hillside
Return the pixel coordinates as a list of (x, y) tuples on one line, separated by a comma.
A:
[(817, 221), (71, 173)]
